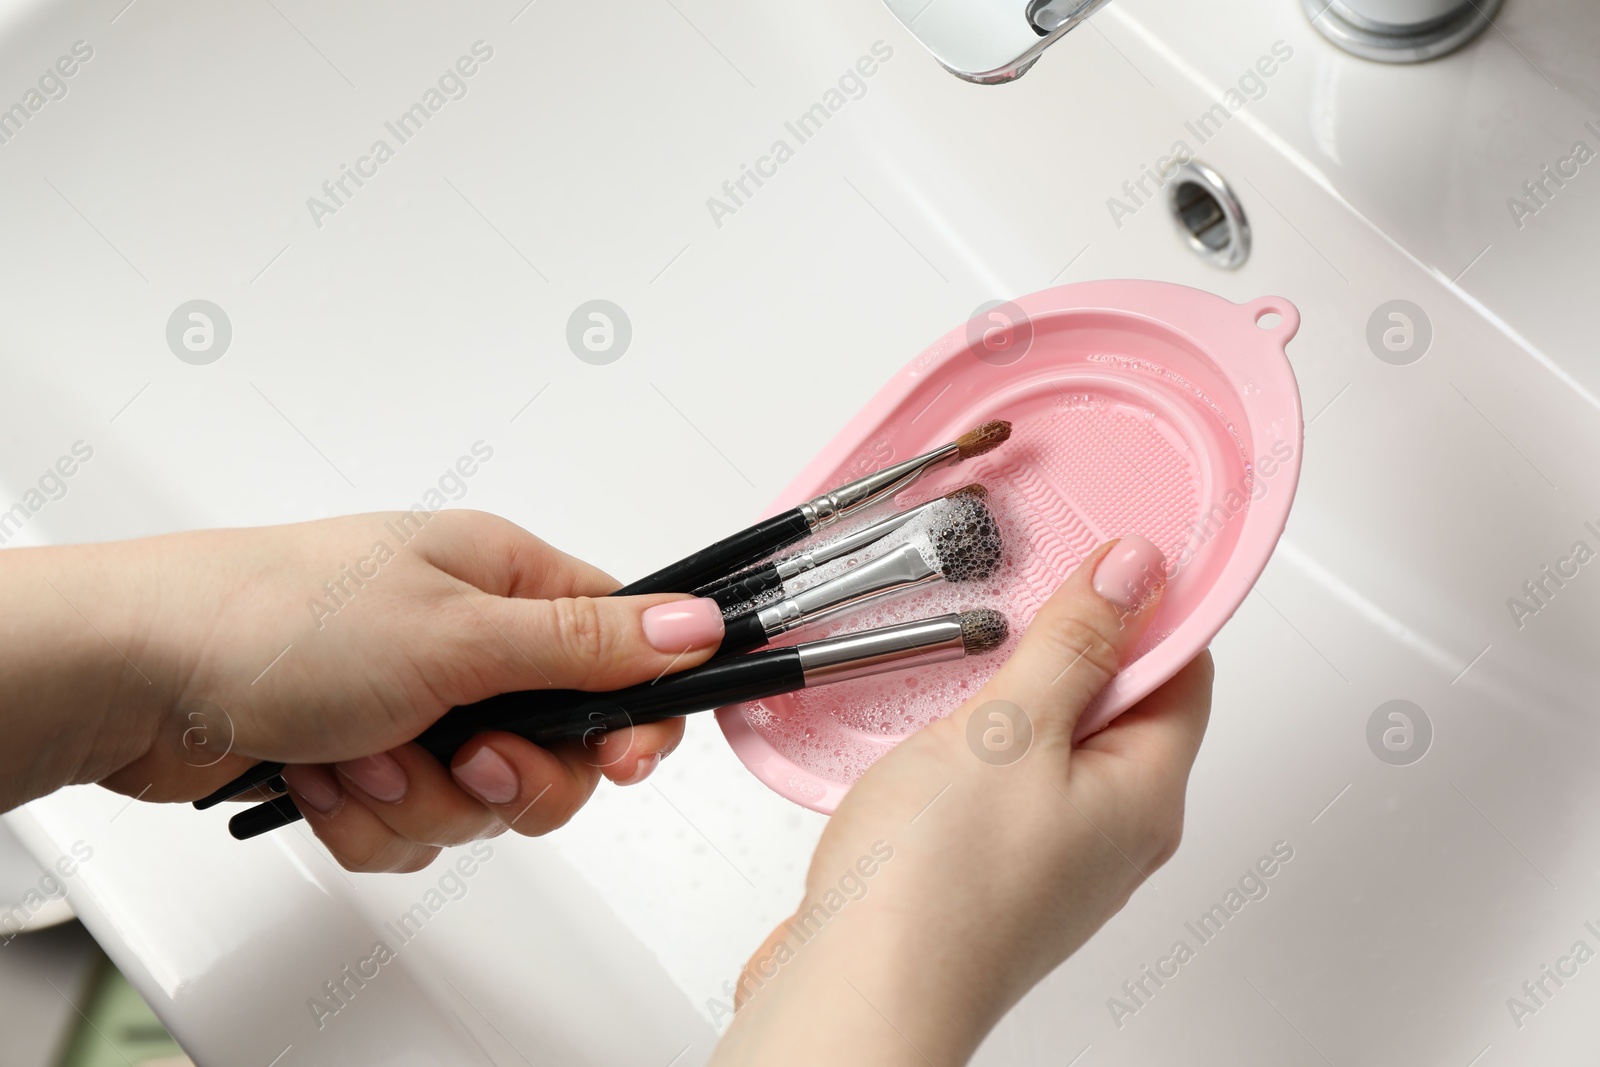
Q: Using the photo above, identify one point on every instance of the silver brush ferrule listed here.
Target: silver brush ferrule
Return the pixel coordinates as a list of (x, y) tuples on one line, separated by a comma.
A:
[(851, 542), (891, 572), (888, 648), (858, 494)]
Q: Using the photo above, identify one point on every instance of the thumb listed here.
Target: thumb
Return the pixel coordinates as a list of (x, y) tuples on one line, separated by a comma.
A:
[(600, 643), (1082, 635)]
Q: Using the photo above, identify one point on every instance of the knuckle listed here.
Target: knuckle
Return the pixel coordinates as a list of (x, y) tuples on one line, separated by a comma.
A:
[(418, 858), (581, 632), (1167, 842), (456, 831), (611, 748), (537, 824), (363, 855), (547, 813), (1166, 835), (1083, 644), (390, 855)]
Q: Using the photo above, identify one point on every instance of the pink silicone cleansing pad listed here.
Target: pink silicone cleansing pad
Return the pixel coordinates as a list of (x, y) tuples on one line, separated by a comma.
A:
[(1137, 407)]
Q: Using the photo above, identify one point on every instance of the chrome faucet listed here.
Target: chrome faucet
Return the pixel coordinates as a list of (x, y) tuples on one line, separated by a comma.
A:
[(989, 41)]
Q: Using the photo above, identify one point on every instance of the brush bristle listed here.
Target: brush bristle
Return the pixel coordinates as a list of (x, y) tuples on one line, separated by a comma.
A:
[(973, 490), (967, 541), (985, 438), (983, 630)]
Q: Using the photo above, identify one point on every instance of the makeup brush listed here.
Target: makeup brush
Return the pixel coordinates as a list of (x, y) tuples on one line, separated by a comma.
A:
[(731, 553), (716, 561), (262, 774), (552, 715), (963, 545), (749, 584)]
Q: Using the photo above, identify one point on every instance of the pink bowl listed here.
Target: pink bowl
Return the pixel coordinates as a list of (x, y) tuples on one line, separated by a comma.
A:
[(1136, 406)]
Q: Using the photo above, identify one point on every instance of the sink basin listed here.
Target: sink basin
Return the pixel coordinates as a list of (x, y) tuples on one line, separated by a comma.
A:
[(1425, 866)]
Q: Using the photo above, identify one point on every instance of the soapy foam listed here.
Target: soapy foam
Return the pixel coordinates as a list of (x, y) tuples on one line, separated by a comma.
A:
[(966, 542), (835, 731)]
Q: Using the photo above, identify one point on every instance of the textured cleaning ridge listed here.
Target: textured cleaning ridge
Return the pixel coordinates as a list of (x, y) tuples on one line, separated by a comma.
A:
[(1056, 537), (1120, 472)]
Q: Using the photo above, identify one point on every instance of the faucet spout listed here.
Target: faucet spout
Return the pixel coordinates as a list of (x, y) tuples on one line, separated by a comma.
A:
[(990, 41), (1048, 16)]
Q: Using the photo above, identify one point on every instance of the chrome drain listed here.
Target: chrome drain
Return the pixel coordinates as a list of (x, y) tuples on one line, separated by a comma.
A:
[(1208, 215)]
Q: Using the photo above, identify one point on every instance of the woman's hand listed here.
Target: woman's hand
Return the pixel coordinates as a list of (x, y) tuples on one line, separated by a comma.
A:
[(164, 667), (980, 853)]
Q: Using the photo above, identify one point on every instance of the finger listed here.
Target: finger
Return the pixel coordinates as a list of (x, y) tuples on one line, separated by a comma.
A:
[(762, 955), (597, 644), (358, 839), (1142, 761), (548, 623), (530, 789), (1164, 729), (500, 557), (628, 756), (1082, 635), (416, 797)]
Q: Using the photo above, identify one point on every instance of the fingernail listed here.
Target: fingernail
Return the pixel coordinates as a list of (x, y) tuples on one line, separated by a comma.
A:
[(380, 776), (316, 786), (1130, 572), (683, 625), (489, 776), (642, 770)]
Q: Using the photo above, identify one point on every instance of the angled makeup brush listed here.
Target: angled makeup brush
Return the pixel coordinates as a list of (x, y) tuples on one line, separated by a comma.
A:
[(747, 585), (548, 716), (962, 545), (716, 561)]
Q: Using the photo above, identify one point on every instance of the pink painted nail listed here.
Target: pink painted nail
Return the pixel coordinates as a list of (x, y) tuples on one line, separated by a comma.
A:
[(380, 776), (316, 786), (1130, 572), (683, 625), (642, 770), (489, 777)]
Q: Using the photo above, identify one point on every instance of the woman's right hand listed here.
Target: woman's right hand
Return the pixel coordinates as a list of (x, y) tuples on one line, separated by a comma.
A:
[(956, 874)]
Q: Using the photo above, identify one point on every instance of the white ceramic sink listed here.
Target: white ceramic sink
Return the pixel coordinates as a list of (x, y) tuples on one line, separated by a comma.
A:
[(429, 311)]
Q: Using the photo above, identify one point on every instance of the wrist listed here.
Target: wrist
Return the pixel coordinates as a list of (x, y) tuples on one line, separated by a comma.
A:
[(867, 983), (77, 702)]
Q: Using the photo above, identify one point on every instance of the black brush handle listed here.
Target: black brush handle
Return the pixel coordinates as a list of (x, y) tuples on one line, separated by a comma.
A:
[(727, 579), (723, 558), (746, 587), (690, 574), (253, 822), (260, 774), (548, 716), (740, 634), (704, 573)]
